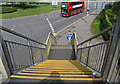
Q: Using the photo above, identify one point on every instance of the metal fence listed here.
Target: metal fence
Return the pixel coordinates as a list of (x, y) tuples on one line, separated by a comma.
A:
[(93, 56), (23, 55)]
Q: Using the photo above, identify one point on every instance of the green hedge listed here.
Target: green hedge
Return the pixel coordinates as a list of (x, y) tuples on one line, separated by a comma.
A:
[(112, 17), (106, 18), (9, 10), (101, 22), (105, 23)]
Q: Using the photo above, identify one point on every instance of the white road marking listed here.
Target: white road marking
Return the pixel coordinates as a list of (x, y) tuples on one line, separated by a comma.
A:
[(60, 20), (63, 19), (53, 31)]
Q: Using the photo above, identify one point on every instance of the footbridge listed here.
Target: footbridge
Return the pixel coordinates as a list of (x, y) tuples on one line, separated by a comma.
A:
[(35, 62)]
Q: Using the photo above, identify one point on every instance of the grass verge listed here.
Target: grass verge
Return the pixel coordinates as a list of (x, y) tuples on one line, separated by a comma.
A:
[(95, 27), (30, 11)]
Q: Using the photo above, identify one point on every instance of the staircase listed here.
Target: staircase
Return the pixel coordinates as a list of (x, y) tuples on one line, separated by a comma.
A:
[(61, 67), (61, 52)]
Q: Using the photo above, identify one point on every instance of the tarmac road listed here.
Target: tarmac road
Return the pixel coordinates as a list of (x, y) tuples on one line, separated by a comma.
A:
[(37, 27)]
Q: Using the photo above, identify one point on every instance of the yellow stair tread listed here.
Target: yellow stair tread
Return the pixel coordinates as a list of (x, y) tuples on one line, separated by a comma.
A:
[(56, 78), (59, 72), (54, 75)]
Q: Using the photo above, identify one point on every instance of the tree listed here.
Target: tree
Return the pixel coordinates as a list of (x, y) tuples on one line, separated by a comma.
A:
[(116, 7)]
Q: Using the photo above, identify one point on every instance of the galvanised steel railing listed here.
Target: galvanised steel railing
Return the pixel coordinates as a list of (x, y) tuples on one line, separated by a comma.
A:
[(92, 54), (21, 55)]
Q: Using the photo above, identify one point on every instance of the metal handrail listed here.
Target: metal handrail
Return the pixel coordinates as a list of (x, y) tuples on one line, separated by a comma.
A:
[(53, 36), (94, 45), (101, 33), (20, 35)]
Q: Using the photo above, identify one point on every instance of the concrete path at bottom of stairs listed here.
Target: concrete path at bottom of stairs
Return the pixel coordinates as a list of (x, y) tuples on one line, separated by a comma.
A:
[(82, 29)]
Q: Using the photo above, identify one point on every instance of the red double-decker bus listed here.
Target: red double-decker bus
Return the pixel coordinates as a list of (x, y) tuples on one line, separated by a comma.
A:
[(69, 8)]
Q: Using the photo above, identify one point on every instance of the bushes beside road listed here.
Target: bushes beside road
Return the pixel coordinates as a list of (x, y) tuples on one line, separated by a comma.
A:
[(106, 18), (8, 10), (105, 23)]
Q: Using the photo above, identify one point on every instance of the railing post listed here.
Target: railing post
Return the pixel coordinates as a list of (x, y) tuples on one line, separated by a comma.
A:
[(30, 51), (88, 54)]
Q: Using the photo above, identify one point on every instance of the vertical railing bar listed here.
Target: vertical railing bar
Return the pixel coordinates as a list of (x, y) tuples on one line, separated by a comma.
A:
[(96, 53), (101, 56), (9, 57), (96, 57), (80, 53), (12, 54), (15, 56), (12, 48), (37, 55), (33, 54), (30, 52), (27, 62), (107, 48), (18, 59), (22, 56), (19, 55), (88, 54), (40, 52), (94, 50)]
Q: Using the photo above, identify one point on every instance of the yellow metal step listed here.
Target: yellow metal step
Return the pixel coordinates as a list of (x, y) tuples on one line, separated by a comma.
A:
[(57, 70), (61, 75), (32, 69), (56, 78)]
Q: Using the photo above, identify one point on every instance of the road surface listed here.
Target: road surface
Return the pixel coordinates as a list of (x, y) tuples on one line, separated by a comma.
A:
[(38, 28)]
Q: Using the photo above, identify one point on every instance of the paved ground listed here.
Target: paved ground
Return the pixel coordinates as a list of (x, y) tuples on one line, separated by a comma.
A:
[(82, 29)]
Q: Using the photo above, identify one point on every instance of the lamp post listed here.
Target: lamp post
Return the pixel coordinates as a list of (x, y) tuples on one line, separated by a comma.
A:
[(87, 10)]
